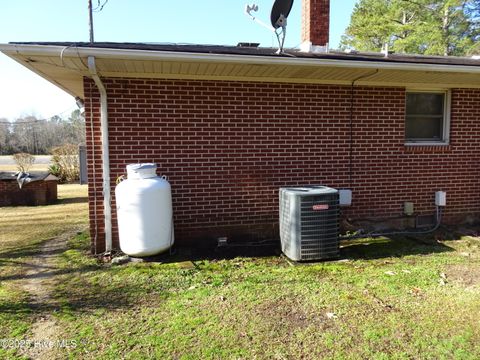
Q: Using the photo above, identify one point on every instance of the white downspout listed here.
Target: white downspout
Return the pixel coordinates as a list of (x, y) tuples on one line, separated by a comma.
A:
[(107, 209)]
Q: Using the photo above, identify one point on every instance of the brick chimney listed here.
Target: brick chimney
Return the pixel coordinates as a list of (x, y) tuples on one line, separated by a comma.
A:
[(315, 25)]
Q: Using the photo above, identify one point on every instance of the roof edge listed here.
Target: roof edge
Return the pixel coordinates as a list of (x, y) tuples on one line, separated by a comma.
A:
[(73, 51)]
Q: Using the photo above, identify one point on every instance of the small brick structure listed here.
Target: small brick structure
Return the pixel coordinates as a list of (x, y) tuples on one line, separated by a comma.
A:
[(41, 190)]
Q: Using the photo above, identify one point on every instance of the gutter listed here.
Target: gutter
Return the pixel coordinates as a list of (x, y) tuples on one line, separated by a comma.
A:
[(150, 55), (107, 198)]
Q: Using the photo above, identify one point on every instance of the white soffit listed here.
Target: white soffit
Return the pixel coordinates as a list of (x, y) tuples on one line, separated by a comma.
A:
[(66, 67)]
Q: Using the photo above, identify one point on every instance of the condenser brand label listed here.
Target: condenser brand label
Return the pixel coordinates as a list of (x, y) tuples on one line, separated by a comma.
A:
[(319, 207)]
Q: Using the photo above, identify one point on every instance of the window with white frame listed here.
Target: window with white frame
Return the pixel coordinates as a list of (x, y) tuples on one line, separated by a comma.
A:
[(427, 117)]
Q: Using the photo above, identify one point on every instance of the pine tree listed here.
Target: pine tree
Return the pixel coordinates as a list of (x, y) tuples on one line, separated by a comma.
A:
[(431, 27)]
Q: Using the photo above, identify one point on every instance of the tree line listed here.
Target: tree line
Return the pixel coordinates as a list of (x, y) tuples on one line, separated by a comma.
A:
[(430, 27), (37, 136)]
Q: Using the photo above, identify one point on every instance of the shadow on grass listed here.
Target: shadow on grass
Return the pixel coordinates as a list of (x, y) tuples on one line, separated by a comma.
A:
[(76, 200), (22, 260), (88, 299), (87, 296), (359, 249), (378, 248), (73, 292), (26, 251), (372, 248), (45, 272), (181, 254)]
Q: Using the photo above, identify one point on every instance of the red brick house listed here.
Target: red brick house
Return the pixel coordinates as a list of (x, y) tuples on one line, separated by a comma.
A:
[(230, 125)]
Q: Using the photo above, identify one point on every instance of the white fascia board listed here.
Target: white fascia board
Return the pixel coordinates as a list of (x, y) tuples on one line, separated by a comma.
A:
[(131, 54)]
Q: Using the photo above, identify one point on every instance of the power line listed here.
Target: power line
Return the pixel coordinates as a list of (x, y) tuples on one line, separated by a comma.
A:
[(99, 7), (16, 122)]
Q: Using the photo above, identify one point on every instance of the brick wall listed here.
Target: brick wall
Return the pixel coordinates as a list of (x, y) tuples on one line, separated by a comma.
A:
[(228, 146), (316, 21), (34, 193)]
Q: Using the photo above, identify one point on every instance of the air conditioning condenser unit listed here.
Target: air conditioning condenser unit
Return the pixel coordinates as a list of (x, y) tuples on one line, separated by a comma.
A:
[(309, 222)]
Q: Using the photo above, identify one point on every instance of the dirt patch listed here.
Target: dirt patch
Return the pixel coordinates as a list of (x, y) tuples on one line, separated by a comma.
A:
[(466, 275), (293, 318), (45, 332), (290, 315)]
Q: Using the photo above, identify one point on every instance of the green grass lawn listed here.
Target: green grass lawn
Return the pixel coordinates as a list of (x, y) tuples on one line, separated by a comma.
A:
[(392, 299), (22, 231)]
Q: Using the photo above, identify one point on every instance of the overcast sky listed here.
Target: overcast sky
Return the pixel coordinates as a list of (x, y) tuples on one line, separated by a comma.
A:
[(179, 21)]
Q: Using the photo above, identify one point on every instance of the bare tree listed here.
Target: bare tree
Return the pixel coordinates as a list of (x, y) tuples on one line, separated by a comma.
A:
[(66, 163), (31, 135), (24, 161), (4, 135)]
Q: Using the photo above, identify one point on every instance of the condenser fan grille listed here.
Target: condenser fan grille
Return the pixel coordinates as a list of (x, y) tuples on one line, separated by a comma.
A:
[(309, 223), (319, 228)]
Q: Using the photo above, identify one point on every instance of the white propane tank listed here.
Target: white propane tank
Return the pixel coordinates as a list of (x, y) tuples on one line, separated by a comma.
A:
[(144, 211)]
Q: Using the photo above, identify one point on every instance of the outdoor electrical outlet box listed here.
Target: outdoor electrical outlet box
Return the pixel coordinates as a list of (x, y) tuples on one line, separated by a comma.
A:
[(408, 208), (440, 198), (345, 197)]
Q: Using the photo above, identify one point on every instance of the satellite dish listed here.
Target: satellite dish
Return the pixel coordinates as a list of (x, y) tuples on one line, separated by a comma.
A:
[(278, 18), (280, 11)]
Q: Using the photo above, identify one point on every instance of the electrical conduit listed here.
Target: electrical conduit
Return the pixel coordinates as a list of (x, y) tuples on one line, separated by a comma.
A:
[(361, 234), (107, 209)]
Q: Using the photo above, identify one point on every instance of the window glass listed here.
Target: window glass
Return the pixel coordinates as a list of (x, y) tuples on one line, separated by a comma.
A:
[(424, 128), (425, 117), (425, 104)]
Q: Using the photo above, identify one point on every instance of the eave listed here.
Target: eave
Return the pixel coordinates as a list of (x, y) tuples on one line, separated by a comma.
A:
[(65, 66)]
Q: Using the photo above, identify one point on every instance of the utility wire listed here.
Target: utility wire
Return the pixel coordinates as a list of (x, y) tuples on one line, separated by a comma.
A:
[(16, 122), (99, 7), (92, 10)]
